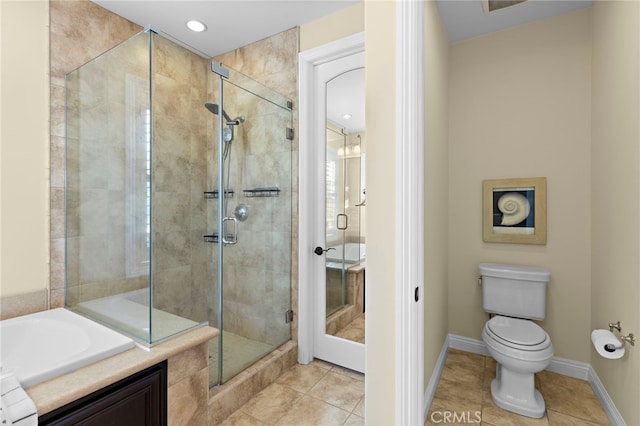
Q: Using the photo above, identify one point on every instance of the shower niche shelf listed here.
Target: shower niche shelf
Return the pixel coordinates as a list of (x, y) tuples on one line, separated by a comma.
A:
[(270, 191), (214, 194)]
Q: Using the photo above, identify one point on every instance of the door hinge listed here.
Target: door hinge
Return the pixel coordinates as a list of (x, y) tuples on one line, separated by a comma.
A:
[(288, 316), (289, 133)]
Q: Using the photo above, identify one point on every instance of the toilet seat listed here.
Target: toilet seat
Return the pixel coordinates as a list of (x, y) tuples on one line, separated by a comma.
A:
[(517, 333)]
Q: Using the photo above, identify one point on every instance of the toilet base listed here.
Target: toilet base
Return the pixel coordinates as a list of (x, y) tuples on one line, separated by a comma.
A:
[(516, 392)]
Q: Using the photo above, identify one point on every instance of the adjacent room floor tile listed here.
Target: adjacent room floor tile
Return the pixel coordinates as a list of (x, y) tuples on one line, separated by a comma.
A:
[(321, 393)]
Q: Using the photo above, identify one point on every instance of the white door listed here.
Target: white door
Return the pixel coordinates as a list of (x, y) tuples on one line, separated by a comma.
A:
[(332, 219)]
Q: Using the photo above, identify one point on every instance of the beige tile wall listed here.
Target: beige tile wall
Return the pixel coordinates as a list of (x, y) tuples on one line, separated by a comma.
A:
[(274, 63), (80, 31)]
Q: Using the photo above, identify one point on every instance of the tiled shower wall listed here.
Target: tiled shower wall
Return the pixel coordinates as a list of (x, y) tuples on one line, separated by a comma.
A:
[(80, 31), (97, 170), (274, 63), (183, 273)]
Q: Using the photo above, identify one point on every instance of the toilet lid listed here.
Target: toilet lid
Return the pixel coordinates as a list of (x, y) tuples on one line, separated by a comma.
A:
[(517, 331)]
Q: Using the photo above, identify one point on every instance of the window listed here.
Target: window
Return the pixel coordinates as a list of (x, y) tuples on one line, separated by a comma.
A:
[(138, 184)]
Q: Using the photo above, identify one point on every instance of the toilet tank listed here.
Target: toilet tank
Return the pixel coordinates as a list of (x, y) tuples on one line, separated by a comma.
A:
[(512, 290)]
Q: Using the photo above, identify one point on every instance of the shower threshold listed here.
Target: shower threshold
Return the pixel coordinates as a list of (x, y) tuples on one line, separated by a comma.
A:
[(238, 354)]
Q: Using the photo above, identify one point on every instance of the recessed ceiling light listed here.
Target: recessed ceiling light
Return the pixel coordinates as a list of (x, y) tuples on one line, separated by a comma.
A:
[(346, 116), (196, 26)]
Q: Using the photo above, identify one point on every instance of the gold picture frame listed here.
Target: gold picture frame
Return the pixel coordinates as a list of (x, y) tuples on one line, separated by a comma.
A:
[(514, 210)]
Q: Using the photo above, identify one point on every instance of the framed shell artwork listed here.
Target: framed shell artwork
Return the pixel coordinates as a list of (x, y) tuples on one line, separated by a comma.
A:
[(514, 211)]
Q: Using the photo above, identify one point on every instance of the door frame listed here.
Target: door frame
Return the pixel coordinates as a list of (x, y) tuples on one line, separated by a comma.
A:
[(408, 369), (308, 61)]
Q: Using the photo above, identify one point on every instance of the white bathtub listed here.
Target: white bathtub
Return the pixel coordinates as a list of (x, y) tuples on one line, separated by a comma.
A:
[(41, 346), (353, 253)]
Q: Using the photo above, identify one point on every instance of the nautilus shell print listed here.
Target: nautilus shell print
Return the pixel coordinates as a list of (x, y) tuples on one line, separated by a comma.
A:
[(514, 208)]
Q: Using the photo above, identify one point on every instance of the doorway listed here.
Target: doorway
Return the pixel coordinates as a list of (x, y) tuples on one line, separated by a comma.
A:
[(332, 205)]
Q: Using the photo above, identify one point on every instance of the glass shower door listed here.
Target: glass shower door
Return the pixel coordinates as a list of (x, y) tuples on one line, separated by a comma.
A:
[(253, 171)]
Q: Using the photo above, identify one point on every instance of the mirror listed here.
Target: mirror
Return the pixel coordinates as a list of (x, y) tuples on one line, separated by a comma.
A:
[(345, 203)]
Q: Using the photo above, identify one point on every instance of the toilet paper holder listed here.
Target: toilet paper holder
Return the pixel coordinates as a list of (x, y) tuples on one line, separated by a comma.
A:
[(630, 338)]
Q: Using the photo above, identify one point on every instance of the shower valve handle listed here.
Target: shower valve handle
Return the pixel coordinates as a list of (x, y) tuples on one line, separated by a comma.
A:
[(320, 251)]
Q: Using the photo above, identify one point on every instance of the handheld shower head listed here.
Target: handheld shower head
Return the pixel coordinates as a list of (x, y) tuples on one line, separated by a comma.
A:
[(215, 109)]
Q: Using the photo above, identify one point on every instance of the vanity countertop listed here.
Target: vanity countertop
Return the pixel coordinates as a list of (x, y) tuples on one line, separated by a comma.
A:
[(67, 388)]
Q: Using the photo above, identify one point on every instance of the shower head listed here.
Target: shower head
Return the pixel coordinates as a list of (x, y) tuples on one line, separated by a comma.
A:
[(214, 108)]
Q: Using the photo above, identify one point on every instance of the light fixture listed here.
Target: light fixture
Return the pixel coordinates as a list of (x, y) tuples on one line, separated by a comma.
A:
[(196, 26), (347, 116)]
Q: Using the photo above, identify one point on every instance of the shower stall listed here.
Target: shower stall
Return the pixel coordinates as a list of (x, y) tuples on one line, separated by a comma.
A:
[(178, 200)]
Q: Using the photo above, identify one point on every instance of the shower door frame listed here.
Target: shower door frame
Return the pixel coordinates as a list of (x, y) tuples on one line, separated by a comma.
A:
[(227, 78)]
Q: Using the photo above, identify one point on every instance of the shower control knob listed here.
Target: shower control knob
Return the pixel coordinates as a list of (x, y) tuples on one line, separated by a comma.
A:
[(320, 251)]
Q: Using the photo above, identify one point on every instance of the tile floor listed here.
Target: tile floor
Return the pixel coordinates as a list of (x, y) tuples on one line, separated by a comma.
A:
[(323, 394), (465, 387), (318, 393)]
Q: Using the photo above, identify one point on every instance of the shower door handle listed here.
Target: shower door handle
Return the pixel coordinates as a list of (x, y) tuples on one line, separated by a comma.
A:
[(346, 221), (234, 235)]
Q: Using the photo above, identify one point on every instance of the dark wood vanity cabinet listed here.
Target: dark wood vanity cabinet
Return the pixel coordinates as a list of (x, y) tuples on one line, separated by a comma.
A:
[(138, 400)]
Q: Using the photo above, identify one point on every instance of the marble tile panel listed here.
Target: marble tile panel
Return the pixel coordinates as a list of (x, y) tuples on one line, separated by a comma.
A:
[(354, 420), (272, 403), (442, 411), (452, 390), (311, 411), (187, 363), (464, 367), (57, 298), (571, 396), (23, 304), (57, 264), (359, 410), (242, 419), (231, 396), (274, 366), (187, 400), (303, 377), (560, 419), (339, 390), (172, 250)]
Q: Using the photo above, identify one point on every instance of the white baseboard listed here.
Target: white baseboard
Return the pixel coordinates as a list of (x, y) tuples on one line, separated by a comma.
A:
[(566, 367), (468, 344), (605, 400), (435, 378)]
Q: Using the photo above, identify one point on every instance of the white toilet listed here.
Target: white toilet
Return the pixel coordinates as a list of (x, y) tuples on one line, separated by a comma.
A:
[(521, 348)]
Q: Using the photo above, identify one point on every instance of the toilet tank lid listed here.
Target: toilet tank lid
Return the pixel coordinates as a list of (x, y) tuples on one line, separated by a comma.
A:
[(517, 272)]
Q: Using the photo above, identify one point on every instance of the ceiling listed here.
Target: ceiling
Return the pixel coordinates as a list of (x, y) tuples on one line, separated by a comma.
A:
[(236, 23), (231, 23), (465, 19)]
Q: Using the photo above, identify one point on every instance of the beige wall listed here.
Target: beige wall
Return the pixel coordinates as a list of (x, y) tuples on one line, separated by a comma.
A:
[(25, 139), (436, 188), (380, 332), (520, 106), (615, 292), (338, 25)]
